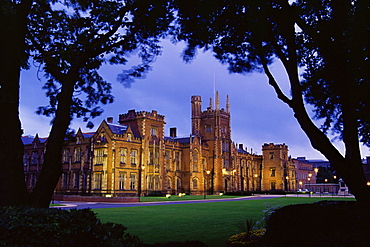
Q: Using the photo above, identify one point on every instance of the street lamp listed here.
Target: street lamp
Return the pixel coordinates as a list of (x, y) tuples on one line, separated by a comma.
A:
[(141, 168), (309, 182), (205, 183), (287, 182), (326, 180), (234, 180), (255, 181)]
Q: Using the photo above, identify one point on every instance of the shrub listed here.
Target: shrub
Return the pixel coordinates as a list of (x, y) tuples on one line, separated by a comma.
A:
[(246, 238), (56, 227), (238, 193), (155, 193), (319, 224), (178, 244)]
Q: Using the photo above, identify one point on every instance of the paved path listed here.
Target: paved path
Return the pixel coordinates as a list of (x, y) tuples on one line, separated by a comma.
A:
[(93, 205)]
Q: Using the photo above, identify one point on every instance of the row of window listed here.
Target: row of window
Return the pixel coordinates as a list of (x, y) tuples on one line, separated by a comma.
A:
[(77, 155), (35, 158), (126, 181)]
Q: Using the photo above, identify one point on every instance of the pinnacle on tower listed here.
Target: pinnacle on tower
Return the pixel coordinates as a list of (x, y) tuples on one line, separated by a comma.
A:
[(217, 101), (227, 104)]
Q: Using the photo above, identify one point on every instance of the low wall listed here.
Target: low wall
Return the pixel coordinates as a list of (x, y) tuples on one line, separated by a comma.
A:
[(76, 198)]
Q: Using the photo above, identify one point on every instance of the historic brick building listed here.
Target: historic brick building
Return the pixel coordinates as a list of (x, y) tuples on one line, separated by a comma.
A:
[(135, 157)]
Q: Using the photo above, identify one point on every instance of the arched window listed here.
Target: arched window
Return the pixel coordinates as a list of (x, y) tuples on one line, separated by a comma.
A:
[(169, 180), (178, 183), (195, 161), (195, 183)]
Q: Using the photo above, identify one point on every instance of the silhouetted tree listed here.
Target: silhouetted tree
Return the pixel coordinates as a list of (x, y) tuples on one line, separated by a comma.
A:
[(324, 48), (70, 42), (13, 57)]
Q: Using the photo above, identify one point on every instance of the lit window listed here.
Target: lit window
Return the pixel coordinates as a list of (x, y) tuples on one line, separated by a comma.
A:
[(98, 180), (122, 155), (78, 154), (133, 156), (195, 184), (195, 161), (100, 156), (153, 131), (272, 172), (65, 156), (121, 180), (133, 181), (156, 183), (150, 182)]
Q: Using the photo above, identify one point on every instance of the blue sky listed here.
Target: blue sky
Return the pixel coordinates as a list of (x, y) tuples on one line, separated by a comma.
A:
[(257, 116)]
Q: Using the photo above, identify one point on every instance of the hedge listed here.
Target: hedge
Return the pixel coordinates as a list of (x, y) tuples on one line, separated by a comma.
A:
[(22, 226)]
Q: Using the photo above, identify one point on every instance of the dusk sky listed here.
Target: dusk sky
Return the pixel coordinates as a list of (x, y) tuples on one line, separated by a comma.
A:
[(257, 116)]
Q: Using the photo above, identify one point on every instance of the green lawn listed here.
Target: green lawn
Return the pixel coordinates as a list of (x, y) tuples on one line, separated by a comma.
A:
[(212, 223), (178, 198)]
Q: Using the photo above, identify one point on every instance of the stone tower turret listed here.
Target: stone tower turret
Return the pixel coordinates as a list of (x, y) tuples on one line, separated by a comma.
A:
[(196, 112)]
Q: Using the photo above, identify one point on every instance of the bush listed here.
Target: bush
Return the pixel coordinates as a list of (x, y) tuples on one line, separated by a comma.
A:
[(271, 192), (239, 193), (320, 224), (178, 244), (155, 193), (246, 238), (56, 227)]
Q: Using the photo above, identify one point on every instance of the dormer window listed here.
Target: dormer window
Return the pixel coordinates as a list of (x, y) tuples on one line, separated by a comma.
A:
[(129, 137), (102, 138)]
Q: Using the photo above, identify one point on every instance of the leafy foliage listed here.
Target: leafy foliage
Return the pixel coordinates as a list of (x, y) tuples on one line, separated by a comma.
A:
[(328, 39), (247, 238), (328, 224), (324, 49), (70, 43), (55, 227)]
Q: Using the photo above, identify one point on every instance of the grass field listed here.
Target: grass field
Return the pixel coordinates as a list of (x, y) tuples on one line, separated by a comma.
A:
[(212, 223), (177, 198)]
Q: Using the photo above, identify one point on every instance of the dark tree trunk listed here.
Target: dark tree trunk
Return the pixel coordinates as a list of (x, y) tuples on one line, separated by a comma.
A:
[(13, 23), (52, 167), (349, 165)]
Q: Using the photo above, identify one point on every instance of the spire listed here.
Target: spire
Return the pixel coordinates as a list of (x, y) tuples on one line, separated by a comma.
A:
[(217, 101), (211, 103), (227, 104)]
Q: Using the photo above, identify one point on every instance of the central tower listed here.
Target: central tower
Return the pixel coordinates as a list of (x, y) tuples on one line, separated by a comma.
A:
[(213, 127)]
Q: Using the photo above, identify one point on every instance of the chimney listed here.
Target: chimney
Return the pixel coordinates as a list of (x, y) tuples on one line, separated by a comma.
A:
[(241, 146), (173, 132), (110, 119)]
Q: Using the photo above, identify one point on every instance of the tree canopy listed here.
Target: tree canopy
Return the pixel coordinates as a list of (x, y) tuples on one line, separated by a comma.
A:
[(324, 48), (70, 40)]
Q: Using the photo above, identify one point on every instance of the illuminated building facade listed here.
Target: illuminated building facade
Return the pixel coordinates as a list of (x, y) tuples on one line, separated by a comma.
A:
[(134, 157)]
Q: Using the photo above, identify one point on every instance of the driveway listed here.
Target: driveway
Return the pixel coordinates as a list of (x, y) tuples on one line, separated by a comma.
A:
[(93, 205)]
